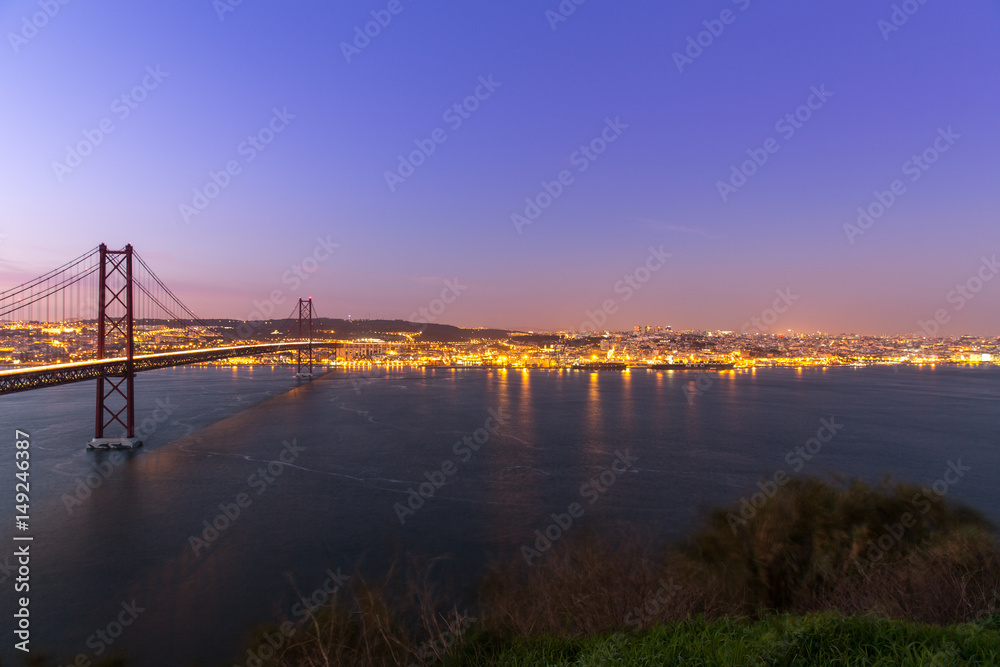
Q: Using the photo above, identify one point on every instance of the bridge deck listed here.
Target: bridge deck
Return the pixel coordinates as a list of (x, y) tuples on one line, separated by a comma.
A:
[(36, 377)]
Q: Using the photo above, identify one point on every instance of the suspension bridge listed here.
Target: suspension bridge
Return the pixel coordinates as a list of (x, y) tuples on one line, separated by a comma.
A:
[(113, 304)]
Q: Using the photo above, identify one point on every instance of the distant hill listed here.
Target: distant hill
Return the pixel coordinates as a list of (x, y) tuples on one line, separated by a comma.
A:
[(387, 330)]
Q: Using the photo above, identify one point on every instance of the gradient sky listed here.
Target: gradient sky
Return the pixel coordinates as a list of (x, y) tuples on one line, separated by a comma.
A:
[(324, 174)]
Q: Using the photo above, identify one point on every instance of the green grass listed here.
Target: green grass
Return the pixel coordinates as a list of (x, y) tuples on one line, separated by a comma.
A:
[(820, 639)]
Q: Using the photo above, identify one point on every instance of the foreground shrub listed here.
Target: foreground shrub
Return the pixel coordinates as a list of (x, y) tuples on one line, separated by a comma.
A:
[(895, 548)]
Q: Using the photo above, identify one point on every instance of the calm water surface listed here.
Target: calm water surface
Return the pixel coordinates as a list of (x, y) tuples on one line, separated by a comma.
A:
[(363, 440)]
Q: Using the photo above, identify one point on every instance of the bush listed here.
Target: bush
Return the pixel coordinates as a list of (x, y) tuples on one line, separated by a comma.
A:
[(894, 548)]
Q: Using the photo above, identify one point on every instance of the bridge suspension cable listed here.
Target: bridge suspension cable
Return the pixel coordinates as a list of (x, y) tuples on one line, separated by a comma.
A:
[(31, 283), (20, 299), (167, 292)]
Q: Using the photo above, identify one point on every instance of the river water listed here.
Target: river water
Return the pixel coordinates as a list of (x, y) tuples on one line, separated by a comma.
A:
[(326, 473)]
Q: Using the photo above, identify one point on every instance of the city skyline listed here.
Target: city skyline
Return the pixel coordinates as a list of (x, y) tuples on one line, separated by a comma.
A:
[(703, 213), (268, 308)]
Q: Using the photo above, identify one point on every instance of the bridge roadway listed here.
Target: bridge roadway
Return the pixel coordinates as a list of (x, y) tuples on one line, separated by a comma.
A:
[(36, 377)]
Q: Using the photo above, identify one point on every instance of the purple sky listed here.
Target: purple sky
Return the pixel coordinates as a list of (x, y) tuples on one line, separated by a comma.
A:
[(338, 118)]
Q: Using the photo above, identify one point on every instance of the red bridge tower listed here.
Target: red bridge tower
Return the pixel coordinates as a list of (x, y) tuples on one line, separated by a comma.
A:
[(305, 318), (115, 339)]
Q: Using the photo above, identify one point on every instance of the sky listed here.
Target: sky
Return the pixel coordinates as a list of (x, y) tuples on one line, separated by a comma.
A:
[(608, 163)]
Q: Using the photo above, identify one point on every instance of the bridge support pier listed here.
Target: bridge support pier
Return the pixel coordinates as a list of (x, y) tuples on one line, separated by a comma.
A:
[(115, 393), (305, 316)]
